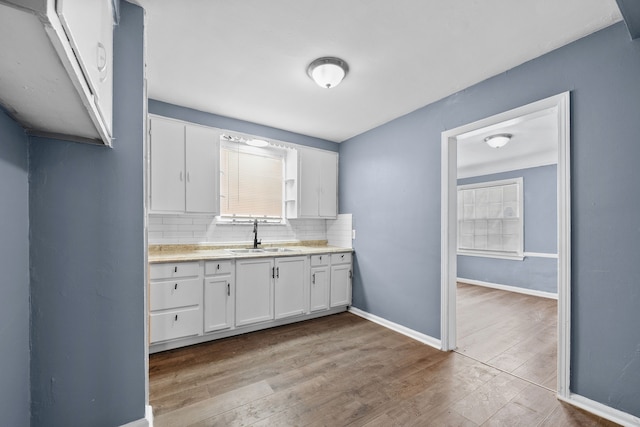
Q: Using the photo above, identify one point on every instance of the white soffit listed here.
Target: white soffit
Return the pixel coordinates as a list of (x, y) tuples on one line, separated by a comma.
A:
[(247, 59)]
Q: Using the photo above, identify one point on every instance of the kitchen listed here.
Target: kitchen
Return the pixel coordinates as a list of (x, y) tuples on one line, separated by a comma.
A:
[(76, 224)]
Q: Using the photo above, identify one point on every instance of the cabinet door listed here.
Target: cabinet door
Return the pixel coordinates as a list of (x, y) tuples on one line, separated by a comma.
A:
[(340, 285), (202, 169), (167, 165), (328, 184), (217, 304), (254, 291), (290, 287), (318, 196), (88, 25), (319, 288), (309, 190)]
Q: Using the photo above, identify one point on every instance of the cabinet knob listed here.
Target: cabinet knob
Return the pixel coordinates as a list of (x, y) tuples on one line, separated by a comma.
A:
[(320, 258), (175, 287), (350, 275), (313, 278), (176, 318), (228, 289), (277, 272), (218, 267), (101, 61), (175, 269)]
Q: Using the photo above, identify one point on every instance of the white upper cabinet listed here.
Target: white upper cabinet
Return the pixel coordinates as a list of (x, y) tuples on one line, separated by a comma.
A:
[(318, 186), (167, 165), (89, 27), (202, 151), (184, 167), (62, 51)]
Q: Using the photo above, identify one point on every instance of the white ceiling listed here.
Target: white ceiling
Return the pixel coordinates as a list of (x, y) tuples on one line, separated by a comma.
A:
[(247, 59), (534, 143)]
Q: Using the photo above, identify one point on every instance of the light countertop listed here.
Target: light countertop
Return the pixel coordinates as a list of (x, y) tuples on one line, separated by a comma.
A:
[(180, 253)]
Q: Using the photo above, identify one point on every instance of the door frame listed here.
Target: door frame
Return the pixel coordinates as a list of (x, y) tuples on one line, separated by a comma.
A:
[(560, 106)]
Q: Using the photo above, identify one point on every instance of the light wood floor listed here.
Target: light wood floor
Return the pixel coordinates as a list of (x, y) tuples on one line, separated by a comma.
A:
[(342, 370), (513, 332)]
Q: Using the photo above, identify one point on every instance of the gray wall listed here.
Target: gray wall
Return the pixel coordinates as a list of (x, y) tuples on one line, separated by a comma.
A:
[(14, 264), (195, 116), (390, 181), (540, 235), (87, 261)]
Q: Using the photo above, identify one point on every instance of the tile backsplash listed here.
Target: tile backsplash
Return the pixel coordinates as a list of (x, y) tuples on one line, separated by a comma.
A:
[(339, 231), (192, 229)]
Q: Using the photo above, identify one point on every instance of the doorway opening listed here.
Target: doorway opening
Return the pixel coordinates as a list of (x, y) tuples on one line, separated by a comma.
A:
[(555, 108)]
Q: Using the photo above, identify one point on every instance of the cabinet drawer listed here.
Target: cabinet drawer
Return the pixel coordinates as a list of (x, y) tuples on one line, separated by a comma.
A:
[(319, 260), (169, 325), (344, 258), (218, 267), (174, 294), (172, 270)]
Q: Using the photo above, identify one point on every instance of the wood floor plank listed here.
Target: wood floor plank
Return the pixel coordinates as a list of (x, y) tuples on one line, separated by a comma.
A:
[(513, 332), (188, 415), (341, 371)]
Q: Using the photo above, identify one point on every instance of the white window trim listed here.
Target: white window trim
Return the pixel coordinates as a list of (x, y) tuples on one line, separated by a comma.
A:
[(519, 255)]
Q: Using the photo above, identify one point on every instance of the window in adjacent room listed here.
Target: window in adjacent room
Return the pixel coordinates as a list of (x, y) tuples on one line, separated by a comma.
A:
[(251, 182), (490, 219)]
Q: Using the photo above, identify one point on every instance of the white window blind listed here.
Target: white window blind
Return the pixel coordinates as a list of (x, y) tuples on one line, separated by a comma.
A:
[(251, 181), (490, 219)]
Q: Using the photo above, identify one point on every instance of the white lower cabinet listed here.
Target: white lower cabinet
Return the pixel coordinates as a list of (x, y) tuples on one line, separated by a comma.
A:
[(254, 290), (219, 288), (192, 302), (319, 287), (171, 324), (175, 301), (341, 274), (290, 287)]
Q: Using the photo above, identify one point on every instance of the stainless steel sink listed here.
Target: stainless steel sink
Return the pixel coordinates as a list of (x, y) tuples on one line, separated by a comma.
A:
[(278, 250), (245, 251)]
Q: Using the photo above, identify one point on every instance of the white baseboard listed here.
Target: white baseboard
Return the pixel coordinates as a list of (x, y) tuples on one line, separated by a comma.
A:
[(425, 339), (601, 410), (147, 421), (516, 289)]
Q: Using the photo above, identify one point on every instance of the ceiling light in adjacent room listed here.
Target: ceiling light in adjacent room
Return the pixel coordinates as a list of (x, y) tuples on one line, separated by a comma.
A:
[(497, 141), (328, 72)]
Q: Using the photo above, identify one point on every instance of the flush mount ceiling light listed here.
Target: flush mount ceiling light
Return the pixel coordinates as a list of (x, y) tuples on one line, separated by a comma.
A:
[(497, 141), (328, 72)]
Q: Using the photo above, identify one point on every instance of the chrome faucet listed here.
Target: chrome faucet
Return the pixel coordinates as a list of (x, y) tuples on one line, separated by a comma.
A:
[(256, 242)]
